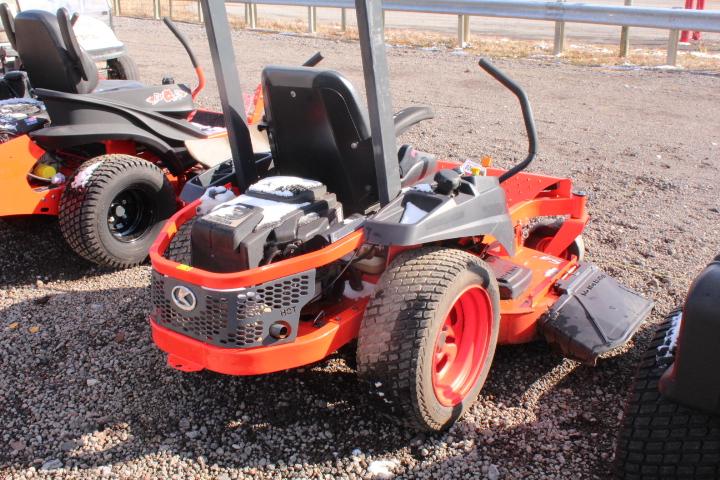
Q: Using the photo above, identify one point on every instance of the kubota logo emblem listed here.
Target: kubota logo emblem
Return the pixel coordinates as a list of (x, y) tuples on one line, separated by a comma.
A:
[(183, 298)]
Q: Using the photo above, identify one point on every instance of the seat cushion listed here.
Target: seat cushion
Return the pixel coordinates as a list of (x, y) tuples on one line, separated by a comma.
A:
[(212, 151)]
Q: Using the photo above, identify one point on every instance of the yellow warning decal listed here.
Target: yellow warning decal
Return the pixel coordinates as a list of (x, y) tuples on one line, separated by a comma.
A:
[(184, 268)]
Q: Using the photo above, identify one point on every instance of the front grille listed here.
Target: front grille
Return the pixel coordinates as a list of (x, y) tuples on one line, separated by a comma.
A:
[(238, 318)]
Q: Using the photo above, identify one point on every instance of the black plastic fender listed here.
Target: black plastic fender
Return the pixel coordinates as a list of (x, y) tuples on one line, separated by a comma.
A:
[(82, 119), (420, 215), (694, 377)]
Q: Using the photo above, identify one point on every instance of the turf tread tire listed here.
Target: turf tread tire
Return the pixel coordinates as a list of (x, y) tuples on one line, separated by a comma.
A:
[(180, 248), (78, 213), (392, 340), (661, 439)]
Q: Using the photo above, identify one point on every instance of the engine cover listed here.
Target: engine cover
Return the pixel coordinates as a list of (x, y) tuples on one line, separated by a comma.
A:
[(276, 218)]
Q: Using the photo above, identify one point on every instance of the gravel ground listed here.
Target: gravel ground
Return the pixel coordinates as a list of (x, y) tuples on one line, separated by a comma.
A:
[(84, 393)]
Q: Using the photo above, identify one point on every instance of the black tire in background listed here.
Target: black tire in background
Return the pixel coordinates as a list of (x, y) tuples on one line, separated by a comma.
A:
[(661, 439), (405, 317), (122, 68), (180, 248), (113, 208)]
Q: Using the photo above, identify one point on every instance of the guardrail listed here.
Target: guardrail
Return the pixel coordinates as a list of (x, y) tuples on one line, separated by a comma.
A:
[(673, 20)]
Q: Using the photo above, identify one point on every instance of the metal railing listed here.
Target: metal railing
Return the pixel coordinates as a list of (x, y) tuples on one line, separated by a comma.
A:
[(673, 20)]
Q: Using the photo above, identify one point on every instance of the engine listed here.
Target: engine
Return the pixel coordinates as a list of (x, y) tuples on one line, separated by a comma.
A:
[(276, 218)]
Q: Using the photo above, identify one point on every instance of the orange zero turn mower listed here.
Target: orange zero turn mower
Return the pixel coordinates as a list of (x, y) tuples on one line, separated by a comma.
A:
[(427, 264)]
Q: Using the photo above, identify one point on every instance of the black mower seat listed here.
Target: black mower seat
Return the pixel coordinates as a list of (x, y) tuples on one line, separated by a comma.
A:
[(319, 130), (53, 58)]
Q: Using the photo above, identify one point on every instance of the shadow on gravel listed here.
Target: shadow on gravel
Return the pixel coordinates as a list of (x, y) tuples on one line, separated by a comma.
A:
[(90, 389), (33, 248)]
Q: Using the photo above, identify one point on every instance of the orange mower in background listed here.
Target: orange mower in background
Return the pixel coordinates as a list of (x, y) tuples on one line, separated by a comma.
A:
[(423, 266), (109, 158)]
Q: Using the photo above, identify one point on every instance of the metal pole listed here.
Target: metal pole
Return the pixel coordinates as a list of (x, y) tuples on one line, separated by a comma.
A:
[(463, 30), (312, 19), (685, 36), (116, 7), (466, 29), (377, 88), (231, 97), (254, 16), (559, 42), (199, 12), (699, 6), (625, 35), (672, 49), (343, 19), (247, 14), (170, 9)]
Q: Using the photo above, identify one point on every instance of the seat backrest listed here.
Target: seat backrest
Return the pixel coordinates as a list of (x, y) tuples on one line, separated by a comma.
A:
[(318, 130), (51, 60)]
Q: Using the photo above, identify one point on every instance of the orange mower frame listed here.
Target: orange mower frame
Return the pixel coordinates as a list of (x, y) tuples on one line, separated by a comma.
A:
[(529, 196)]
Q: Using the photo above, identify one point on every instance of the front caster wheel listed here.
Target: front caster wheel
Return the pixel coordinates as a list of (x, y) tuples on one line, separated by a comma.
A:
[(542, 233), (428, 336)]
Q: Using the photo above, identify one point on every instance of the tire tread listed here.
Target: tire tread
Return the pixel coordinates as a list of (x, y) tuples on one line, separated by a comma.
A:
[(661, 439)]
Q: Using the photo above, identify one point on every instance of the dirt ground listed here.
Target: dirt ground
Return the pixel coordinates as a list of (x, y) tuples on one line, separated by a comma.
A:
[(90, 391)]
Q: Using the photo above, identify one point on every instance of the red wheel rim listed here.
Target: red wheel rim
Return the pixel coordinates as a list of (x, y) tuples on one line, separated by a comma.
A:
[(461, 346)]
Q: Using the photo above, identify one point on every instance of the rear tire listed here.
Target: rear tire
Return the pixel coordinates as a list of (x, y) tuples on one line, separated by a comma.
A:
[(113, 208), (428, 336), (122, 68), (661, 439)]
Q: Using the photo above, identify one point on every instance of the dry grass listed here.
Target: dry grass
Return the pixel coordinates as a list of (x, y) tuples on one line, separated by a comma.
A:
[(696, 57)]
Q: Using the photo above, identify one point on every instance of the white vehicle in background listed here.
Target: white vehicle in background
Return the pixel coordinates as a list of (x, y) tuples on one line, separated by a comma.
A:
[(92, 22)]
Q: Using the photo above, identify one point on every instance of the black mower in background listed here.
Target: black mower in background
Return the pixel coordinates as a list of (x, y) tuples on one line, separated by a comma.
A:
[(671, 425), (108, 157), (93, 26)]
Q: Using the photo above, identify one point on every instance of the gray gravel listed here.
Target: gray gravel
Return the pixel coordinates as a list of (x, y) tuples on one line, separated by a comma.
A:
[(84, 393)]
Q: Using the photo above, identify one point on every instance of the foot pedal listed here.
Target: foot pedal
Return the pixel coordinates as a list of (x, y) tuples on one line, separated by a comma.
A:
[(593, 315), (512, 278)]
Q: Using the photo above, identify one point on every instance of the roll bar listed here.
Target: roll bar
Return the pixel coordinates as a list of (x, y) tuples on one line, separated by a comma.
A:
[(231, 96)]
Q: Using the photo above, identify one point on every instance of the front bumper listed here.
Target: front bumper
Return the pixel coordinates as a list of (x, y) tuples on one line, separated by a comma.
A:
[(234, 318), (312, 344)]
